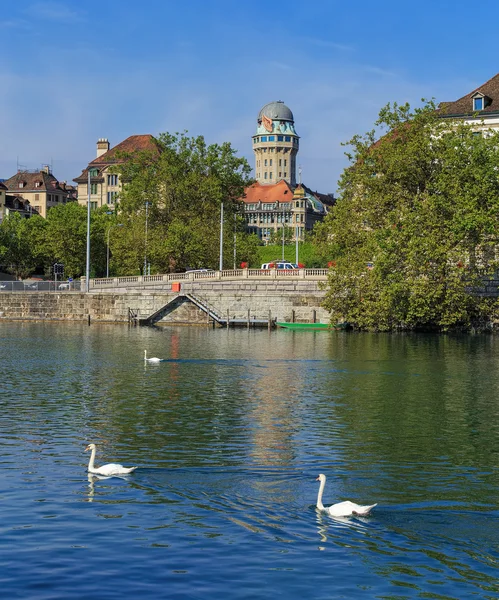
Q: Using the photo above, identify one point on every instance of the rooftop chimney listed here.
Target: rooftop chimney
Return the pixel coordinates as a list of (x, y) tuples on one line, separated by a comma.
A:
[(102, 146)]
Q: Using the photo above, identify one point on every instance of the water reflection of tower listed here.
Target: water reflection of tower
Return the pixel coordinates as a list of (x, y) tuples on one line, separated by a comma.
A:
[(173, 373), (273, 418)]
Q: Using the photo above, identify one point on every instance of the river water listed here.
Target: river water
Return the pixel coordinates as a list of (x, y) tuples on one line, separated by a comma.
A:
[(229, 434)]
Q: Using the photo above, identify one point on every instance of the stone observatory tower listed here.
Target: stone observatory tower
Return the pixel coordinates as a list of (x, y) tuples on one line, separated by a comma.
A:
[(275, 144)]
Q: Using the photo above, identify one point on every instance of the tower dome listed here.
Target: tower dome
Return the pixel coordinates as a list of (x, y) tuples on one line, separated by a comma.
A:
[(276, 110)]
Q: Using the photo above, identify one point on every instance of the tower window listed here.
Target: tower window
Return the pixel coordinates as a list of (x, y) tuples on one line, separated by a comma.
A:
[(265, 175), (270, 162), (288, 138), (271, 138), (280, 138), (263, 138), (270, 175), (285, 174), (265, 163)]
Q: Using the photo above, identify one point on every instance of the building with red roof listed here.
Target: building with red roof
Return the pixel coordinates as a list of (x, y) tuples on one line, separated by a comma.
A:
[(275, 200), (105, 186), (36, 191)]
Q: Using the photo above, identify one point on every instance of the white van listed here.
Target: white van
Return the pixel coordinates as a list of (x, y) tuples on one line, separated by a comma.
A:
[(279, 264)]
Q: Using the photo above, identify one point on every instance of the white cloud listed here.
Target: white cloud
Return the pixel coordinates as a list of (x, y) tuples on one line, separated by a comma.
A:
[(15, 24), (279, 65), (326, 44), (54, 11)]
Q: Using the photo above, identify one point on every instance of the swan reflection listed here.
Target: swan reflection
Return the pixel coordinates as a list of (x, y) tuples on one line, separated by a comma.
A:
[(92, 478), (328, 526)]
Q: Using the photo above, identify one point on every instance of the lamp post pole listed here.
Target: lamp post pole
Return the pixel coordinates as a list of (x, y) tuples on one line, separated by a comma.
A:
[(145, 243), (283, 225), (234, 241), (107, 245), (87, 271), (221, 265)]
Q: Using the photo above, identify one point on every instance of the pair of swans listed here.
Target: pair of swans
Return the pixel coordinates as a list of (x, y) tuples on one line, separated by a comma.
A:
[(108, 470), (153, 359), (342, 509)]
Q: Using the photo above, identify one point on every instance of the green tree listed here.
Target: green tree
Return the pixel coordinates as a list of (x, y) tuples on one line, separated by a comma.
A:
[(247, 249), (277, 234), (66, 238), (420, 204), (184, 185), (20, 246)]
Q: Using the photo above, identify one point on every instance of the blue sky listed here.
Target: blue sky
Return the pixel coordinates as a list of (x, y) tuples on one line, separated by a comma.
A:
[(72, 72)]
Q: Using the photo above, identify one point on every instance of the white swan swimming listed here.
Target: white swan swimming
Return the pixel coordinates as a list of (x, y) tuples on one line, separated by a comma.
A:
[(153, 359), (342, 509), (107, 470)]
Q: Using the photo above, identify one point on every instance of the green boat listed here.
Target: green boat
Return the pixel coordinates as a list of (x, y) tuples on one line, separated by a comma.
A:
[(313, 326)]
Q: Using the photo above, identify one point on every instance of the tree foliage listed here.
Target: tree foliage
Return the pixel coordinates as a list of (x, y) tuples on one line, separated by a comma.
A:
[(184, 186), (66, 238), (21, 244), (420, 205)]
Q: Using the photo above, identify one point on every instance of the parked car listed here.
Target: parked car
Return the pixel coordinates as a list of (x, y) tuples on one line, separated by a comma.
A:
[(64, 286), (280, 264)]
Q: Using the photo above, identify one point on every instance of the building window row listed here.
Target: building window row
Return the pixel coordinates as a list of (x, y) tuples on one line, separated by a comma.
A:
[(112, 180), (271, 138)]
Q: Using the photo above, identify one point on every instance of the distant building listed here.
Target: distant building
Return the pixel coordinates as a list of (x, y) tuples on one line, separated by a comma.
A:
[(36, 192), (479, 108), (3, 193), (276, 200), (275, 144), (104, 185)]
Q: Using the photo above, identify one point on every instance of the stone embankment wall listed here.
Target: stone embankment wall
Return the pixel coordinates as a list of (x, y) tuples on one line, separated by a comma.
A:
[(281, 300)]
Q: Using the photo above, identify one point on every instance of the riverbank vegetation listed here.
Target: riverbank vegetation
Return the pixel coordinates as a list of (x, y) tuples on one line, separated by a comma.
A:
[(415, 227)]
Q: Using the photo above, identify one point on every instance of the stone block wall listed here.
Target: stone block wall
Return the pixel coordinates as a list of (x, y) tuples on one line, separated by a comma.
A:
[(279, 299)]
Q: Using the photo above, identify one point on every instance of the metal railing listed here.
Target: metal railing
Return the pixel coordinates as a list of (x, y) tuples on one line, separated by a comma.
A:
[(40, 286), (151, 281), (229, 274)]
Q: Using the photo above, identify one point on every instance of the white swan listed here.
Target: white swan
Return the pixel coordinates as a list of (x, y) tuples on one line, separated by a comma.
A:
[(342, 509), (107, 470), (153, 359)]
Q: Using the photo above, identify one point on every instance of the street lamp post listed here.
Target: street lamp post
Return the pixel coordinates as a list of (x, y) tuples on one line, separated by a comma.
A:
[(235, 239), (283, 226), (145, 243), (296, 240), (221, 264), (87, 271), (107, 245)]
